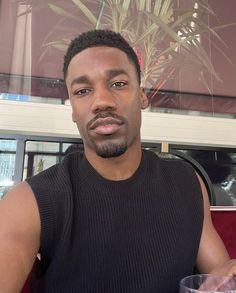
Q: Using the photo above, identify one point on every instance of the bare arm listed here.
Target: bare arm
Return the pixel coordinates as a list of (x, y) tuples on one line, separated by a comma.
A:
[(19, 237), (212, 254)]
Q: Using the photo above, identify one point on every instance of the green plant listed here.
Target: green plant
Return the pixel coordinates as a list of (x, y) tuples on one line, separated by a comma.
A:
[(165, 35)]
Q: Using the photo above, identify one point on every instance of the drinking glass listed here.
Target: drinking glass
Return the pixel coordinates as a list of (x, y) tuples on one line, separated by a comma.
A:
[(207, 283)]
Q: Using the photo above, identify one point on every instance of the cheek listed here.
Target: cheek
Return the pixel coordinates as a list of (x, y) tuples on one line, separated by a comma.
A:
[(76, 110), (81, 125), (136, 112), (81, 118)]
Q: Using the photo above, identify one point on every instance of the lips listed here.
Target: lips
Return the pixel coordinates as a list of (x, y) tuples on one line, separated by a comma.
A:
[(106, 125)]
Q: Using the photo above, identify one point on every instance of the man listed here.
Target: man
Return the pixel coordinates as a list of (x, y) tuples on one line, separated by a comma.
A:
[(114, 218)]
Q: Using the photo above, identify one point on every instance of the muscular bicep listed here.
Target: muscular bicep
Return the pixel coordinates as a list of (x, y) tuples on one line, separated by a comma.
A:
[(212, 251), (19, 236)]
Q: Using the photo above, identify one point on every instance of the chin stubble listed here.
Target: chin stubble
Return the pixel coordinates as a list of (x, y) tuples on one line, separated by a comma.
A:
[(111, 150)]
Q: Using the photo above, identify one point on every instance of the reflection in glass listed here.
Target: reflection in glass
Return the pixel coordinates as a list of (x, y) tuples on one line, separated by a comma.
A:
[(40, 156), (7, 164), (221, 169)]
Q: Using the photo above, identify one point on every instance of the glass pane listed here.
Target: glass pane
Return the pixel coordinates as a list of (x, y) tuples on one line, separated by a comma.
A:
[(42, 146), (35, 35), (7, 164), (40, 156), (221, 169)]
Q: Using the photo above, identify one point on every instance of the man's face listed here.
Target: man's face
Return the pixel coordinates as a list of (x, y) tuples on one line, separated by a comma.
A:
[(106, 100)]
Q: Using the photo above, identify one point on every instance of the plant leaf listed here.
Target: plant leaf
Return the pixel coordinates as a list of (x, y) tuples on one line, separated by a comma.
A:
[(88, 13), (58, 10)]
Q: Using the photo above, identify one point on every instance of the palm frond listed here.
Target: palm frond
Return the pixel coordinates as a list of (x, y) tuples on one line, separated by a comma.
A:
[(165, 36), (58, 10), (85, 11)]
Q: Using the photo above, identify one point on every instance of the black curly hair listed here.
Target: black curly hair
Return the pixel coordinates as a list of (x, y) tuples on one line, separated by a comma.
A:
[(97, 38)]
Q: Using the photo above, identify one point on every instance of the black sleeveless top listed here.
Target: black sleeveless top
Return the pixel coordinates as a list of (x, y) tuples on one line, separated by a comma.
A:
[(131, 236)]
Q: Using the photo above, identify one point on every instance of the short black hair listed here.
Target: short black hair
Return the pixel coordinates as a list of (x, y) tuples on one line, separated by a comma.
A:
[(97, 38)]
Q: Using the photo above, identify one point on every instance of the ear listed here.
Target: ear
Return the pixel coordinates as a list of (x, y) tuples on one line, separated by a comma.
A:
[(143, 99)]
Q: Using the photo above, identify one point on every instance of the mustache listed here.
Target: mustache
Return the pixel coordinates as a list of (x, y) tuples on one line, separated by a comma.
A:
[(119, 118)]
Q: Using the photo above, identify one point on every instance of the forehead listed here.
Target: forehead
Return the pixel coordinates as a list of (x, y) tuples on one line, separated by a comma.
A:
[(97, 59)]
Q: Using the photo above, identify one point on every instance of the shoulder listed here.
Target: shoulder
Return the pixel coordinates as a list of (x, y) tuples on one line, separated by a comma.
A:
[(19, 232), (56, 176), (53, 192), (22, 194), (20, 215), (19, 205), (170, 164), (176, 174)]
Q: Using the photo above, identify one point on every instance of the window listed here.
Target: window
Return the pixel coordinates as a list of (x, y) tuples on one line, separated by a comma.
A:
[(7, 164)]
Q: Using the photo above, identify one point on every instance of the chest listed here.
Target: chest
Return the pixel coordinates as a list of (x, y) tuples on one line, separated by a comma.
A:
[(130, 242)]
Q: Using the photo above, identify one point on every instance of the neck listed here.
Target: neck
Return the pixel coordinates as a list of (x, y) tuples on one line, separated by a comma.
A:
[(118, 168)]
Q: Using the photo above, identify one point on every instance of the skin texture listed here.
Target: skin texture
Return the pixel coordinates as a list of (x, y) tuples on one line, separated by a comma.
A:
[(212, 251), (110, 89), (106, 103), (19, 237)]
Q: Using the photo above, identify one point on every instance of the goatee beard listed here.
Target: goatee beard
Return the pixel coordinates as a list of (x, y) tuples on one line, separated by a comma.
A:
[(111, 150)]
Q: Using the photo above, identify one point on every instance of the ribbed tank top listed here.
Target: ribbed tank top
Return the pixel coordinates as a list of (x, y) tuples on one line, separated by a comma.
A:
[(131, 236)]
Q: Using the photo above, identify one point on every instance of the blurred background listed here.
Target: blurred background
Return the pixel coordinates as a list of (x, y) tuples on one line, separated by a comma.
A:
[(187, 55)]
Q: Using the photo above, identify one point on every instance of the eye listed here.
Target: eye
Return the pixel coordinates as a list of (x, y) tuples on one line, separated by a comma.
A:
[(119, 84), (82, 92)]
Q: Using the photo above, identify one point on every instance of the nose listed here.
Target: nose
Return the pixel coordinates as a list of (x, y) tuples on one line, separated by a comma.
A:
[(103, 100)]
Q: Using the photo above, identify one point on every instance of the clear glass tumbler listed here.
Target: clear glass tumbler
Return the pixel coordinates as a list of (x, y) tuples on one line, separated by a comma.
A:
[(207, 283)]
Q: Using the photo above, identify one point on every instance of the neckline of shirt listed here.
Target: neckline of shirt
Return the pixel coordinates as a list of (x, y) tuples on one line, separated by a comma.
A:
[(91, 175)]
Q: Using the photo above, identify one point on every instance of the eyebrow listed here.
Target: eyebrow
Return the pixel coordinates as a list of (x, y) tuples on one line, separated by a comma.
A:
[(114, 72), (80, 79), (110, 74)]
